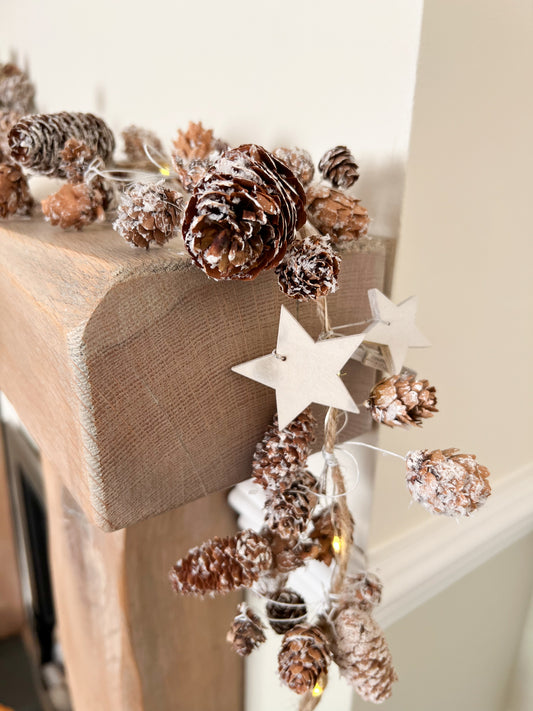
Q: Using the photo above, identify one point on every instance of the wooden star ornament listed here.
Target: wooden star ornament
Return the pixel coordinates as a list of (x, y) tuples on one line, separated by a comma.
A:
[(303, 371)]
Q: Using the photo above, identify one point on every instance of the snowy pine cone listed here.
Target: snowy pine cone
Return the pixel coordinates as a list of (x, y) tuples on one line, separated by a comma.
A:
[(303, 658), (309, 269), (17, 92), (15, 197), (246, 631), (299, 161), (402, 400), (339, 167)]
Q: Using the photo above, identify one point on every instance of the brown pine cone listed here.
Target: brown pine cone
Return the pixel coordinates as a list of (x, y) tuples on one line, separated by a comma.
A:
[(363, 590), (76, 205), (17, 92), (339, 167), (323, 533), (222, 564), (76, 156), (36, 141), (309, 269), (135, 138), (281, 455), (299, 161), (246, 631), (287, 512), (362, 654), (286, 556), (7, 120), (336, 214), (15, 197), (402, 400), (243, 214), (194, 152), (285, 609), (148, 213), (303, 658), (447, 483)]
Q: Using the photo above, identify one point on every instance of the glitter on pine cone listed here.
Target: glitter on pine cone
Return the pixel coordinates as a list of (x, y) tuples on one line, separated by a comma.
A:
[(402, 400), (303, 658), (246, 631), (281, 455), (135, 139), (222, 564), (339, 167), (243, 213), (17, 92), (76, 205), (362, 654), (445, 482), (299, 162), (309, 269), (15, 196), (36, 141), (287, 512), (285, 609), (148, 213), (336, 214)]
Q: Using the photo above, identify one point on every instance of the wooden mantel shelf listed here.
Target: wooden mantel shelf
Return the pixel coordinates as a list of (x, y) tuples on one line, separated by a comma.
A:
[(118, 361)]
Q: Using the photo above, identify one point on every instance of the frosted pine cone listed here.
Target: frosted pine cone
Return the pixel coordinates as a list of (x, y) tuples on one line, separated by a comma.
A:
[(339, 167), (447, 483), (287, 512), (194, 152), (135, 139), (246, 631), (303, 658), (76, 156), (222, 564), (299, 161), (336, 214), (7, 120), (362, 654), (36, 141), (309, 269), (76, 205), (148, 213), (243, 214), (15, 197), (402, 400), (281, 455), (286, 556), (363, 590), (17, 92), (285, 609)]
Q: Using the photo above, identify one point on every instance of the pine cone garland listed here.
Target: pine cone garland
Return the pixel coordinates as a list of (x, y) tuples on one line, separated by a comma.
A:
[(336, 214), (243, 214), (309, 269), (299, 162), (362, 654), (447, 483), (281, 455), (17, 92), (135, 139), (285, 609), (148, 213), (287, 512), (36, 141), (303, 658), (246, 632), (402, 400), (222, 564), (15, 197), (339, 167), (76, 205)]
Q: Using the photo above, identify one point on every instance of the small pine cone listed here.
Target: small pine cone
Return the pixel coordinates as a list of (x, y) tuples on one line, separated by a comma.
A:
[(287, 512), (299, 161), (243, 214), (135, 139), (286, 556), (281, 455), (76, 205), (15, 197), (7, 120), (309, 269), (285, 609), (362, 654), (17, 92), (196, 143), (36, 141), (76, 156), (222, 564), (148, 213), (304, 656), (246, 631), (447, 483), (336, 214), (402, 400), (363, 590), (339, 167), (322, 534)]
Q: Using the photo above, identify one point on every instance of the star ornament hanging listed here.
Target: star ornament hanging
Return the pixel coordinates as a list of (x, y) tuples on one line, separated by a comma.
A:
[(303, 371), (395, 328)]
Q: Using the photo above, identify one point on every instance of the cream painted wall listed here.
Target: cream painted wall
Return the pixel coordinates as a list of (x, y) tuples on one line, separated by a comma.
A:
[(466, 246)]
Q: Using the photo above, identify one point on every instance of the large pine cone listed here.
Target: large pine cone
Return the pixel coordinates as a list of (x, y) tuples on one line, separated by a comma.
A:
[(336, 214), (222, 564), (148, 213), (285, 609), (15, 197), (309, 269), (362, 654), (287, 512), (281, 455), (243, 214), (246, 631), (402, 400), (303, 658), (299, 161), (339, 167), (447, 483), (36, 141), (17, 92)]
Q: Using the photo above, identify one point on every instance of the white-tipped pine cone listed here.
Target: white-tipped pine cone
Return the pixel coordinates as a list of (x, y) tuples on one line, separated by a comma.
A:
[(299, 161), (309, 269), (246, 632), (402, 400), (339, 167), (303, 658)]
